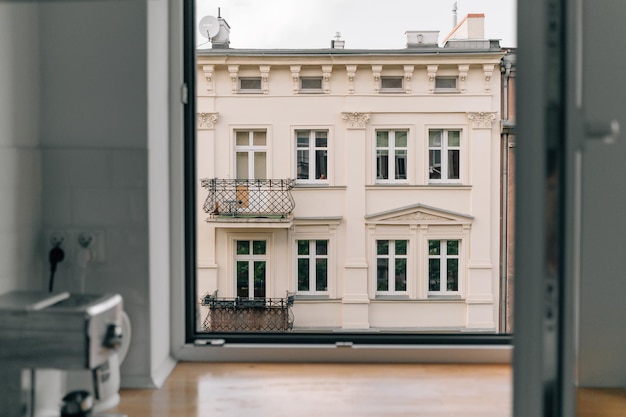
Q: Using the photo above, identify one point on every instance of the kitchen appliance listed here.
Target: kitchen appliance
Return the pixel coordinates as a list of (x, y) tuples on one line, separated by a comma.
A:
[(40, 330)]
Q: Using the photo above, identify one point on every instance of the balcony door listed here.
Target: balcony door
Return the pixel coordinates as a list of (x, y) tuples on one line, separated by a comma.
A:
[(251, 268)]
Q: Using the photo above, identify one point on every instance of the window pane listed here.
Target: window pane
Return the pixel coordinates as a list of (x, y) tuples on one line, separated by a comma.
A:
[(401, 139), (434, 247), (321, 276), (321, 139), (242, 138), (320, 164), (452, 283), (434, 138), (401, 247), (260, 166), (433, 275), (382, 247), (401, 274), (259, 279), (302, 139), (382, 164), (303, 247), (434, 164), (382, 139), (242, 279), (250, 83), (310, 83), (260, 138), (453, 165), (242, 165), (303, 274), (452, 247), (382, 275), (302, 165), (400, 165), (321, 247), (243, 247), (445, 82), (454, 138), (391, 82), (258, 247)]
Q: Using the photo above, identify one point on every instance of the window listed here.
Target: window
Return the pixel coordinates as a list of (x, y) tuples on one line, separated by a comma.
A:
[(391, 266), (443, 266), (312, 266), (391, 84), (446, 84), (444, 152), (251, 154), (311, 84), (250, 268), (311, 155), (250, 84), (391, 155)]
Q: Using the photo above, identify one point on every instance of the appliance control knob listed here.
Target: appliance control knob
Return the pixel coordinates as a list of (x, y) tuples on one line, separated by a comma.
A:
[(113, 336)]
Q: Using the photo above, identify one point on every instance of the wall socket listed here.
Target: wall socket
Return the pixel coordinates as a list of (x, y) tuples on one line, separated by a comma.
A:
[(74, 240)]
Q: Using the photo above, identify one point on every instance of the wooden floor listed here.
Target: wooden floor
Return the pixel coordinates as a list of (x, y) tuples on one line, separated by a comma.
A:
[(333, 390)]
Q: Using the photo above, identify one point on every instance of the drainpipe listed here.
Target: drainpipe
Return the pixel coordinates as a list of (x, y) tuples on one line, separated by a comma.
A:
[(505, 67)]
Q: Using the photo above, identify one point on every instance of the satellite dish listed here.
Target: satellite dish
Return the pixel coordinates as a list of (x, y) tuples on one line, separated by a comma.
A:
[(209, 26)]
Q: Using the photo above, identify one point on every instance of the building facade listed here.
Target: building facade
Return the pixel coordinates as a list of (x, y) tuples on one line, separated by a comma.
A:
[(361, 185)]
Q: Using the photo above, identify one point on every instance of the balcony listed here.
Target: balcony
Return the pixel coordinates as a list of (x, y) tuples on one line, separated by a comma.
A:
[(248, 314), (249, 201)]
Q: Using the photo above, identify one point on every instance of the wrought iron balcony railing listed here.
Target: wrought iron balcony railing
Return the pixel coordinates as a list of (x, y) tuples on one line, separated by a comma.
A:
[(249, 198), (248, 314)]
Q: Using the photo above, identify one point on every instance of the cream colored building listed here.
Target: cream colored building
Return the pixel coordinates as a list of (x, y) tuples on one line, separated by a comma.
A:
[(373, 180)]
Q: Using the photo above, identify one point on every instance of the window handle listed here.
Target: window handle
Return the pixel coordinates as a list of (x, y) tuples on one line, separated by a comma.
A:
[(606, 132)]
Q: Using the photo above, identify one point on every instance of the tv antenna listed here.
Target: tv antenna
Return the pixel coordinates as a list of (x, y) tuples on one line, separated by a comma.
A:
[(209, 26)]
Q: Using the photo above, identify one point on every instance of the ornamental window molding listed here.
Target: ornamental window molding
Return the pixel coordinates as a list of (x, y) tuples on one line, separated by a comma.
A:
[(207, 121), (356, 120), (481, 120)]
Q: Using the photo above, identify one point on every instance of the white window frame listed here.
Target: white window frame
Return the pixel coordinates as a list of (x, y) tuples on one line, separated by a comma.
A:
[(250, 90), (311, 151), (443, 257), (392, 148), (304, 89), (444, 155), (400, 89), (447, 89), (251, 258), (392, 256), (231, 267), (251, 149), (312, 257)]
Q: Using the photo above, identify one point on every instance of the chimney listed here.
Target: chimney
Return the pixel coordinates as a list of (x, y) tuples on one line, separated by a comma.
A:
[(222, 39), (471, 26), (454, 9), (337, 43), (422, 38)]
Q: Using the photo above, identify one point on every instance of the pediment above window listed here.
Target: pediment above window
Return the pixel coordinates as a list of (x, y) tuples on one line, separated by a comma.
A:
[(418, 214)]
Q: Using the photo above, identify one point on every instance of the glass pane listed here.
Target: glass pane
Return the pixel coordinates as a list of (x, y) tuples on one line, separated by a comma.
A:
[(434, 164), (303, 274), (260, 138), (321, 275), (453, 247), (452, 283), (320, 164), (400, 274), (311, 83), (321, 139), (434, 275), (302, 139), (401, 247), (258, 247), (434, 247), (382, 139), (260, 172), (382, 164), (321, 247), (382, 247), (303, 247), (400, 165), (242, 279), (453, 165), (382, 275), (445, 82), (391, 82), (242, 138), (454, 138), (259, 279), (302, 165), (434, 138), (401, 139), (242, 165), (250, 83), (243, 247)]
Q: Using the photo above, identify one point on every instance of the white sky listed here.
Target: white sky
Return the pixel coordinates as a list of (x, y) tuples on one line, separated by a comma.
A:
[(367, 24)]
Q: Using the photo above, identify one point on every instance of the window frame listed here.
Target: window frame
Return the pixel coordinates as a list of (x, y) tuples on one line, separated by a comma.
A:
[(400, 89), (243, 90), (310, 90), (392, 257), (311, 150), (454, 89), (443, 257), (462, 148), (391, 150), (312, 257), (251, 149)]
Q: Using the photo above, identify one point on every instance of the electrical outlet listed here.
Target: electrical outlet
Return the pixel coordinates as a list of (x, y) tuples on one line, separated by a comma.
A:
[(93, 240), (54, 238)]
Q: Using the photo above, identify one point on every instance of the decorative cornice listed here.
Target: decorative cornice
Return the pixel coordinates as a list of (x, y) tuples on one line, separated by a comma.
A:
[(207, 120), (488, 71), (356, 120), (351, 73), (408, 75), (326, 70), (481, 120), (208, 76), (265, 74), (295, 76), (376, 70), (233, 70), (418, 215), (432, 73), (463, 69)]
